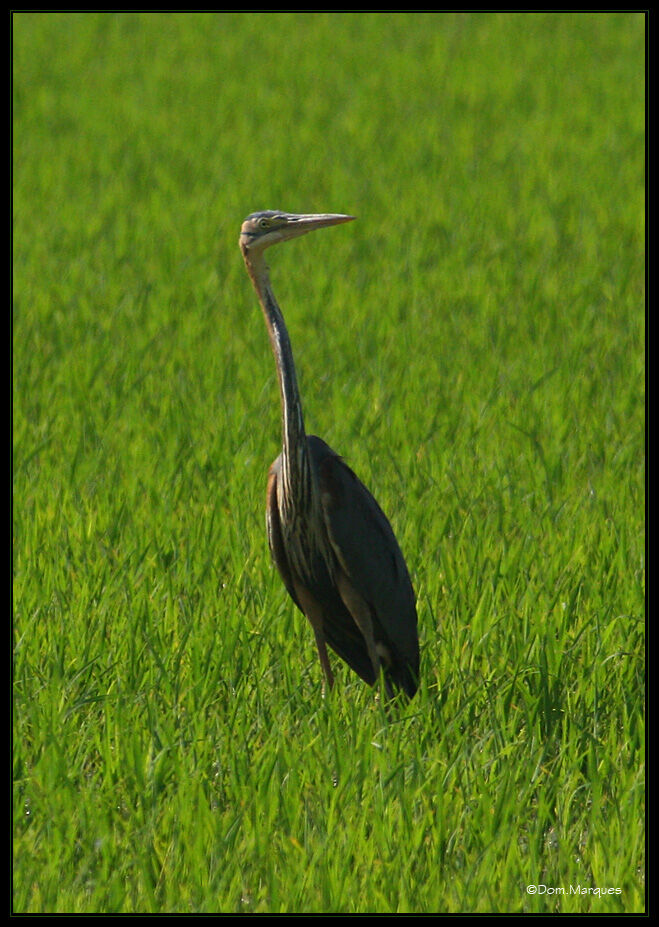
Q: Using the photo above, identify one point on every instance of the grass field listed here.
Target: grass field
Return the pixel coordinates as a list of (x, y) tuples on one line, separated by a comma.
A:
[(473, 346)]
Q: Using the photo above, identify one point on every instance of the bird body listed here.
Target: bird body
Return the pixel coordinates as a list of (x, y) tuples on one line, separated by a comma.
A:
[(332, 544)]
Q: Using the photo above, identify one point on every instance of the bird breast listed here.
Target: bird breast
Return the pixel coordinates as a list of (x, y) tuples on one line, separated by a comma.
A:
[(305, 539)]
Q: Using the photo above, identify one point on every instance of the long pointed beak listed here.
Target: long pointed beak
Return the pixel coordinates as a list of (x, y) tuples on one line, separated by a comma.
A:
[(300, 225)]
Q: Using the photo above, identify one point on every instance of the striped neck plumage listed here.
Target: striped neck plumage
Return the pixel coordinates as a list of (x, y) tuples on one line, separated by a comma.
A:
[(295, 462)]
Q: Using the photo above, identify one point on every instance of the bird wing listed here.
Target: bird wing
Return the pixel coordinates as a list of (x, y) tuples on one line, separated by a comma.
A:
[(324, 604), (368, 553)]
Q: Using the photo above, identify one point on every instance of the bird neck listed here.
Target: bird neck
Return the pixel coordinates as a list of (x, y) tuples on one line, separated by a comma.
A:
[(295, 463)]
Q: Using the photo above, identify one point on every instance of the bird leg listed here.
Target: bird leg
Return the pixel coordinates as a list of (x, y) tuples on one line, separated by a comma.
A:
[(315, 617), (361, 614), (324, 659)]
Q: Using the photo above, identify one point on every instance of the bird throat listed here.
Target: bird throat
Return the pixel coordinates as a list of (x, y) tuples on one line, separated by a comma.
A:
[(296, 488)]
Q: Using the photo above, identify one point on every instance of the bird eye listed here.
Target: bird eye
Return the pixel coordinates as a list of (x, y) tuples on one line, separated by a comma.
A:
[(264, 223)]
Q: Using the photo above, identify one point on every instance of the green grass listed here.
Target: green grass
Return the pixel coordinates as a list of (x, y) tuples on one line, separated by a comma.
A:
[(473, 346)]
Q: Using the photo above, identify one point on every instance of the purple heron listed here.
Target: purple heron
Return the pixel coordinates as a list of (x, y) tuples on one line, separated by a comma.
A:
[(331, 542)]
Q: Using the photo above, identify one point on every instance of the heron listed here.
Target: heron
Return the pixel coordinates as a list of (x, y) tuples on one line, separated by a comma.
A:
[(329, 539)]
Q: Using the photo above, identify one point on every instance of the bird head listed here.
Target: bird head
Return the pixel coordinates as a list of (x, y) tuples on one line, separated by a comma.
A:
[(262, 229)]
